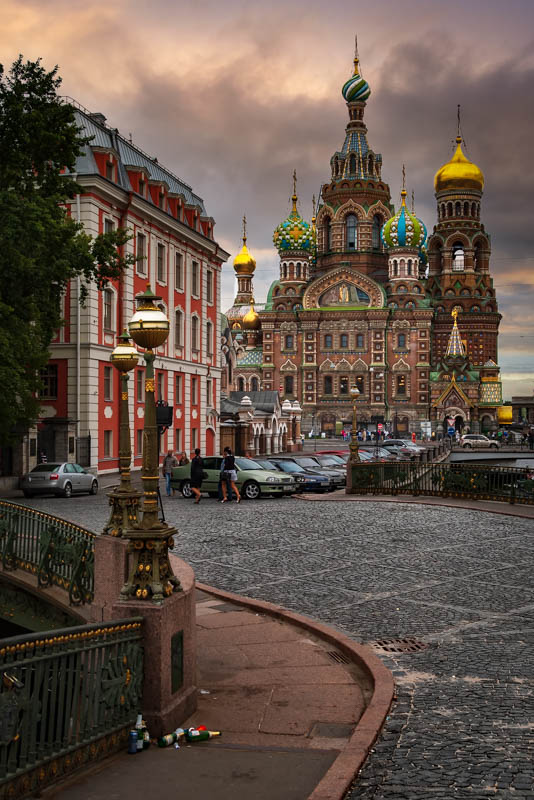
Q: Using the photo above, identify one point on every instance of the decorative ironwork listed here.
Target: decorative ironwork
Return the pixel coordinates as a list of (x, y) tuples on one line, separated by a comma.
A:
[(58, 552), (476, 481), (66, 699)]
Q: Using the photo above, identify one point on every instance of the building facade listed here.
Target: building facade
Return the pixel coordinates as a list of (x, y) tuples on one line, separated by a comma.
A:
[(362, 300), (178, 257)]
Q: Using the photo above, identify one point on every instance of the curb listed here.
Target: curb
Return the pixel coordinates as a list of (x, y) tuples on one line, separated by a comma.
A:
[(519, 510), (338, 778)]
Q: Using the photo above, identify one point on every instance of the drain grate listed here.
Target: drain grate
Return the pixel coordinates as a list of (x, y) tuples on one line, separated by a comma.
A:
[(407, 645), (339, 658)]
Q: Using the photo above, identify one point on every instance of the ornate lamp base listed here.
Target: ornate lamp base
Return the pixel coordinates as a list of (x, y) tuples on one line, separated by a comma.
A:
[(151, 576), (124, 512)]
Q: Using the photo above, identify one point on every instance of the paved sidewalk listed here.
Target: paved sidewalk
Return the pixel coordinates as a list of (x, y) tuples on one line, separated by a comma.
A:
[(299, 708)]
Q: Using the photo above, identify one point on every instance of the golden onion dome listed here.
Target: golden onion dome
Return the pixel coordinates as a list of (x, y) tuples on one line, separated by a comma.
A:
[(459, 173), (251, 320), (244, 264)]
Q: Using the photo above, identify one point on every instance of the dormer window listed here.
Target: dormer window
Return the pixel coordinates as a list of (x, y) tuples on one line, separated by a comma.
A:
[(142, 186), (110, 171), (161, 201)]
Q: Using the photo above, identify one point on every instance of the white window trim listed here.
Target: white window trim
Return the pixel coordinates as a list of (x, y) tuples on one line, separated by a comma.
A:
[(164, 281), (113, 327), (181, 286), (182, 328), (198, 343), (211, 272), (199, 276), (144, 262)]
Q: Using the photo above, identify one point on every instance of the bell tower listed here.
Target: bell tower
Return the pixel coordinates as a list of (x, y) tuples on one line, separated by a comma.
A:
[(458, 258)]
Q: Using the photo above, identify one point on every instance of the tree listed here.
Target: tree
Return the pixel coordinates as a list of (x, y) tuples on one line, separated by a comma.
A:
[(41, 247)]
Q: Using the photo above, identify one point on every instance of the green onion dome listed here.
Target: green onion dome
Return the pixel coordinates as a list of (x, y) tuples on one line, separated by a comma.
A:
[(404, 229), (356, 88), (294, 233)]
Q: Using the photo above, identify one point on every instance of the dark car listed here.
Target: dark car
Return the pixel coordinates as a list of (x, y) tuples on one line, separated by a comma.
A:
[(311, 463), (61, 479), (306, 480)]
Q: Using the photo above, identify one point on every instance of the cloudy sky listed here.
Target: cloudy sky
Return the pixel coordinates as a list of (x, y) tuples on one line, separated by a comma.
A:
[(234, 95)]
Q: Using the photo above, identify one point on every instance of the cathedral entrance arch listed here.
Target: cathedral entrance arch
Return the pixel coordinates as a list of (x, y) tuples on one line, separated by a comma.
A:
[(454, 418)]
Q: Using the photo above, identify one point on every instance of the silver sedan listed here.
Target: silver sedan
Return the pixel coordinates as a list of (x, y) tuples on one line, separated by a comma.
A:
[(61, 479)]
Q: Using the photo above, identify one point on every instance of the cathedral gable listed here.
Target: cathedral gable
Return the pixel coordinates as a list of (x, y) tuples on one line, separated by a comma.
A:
[(345, 288)]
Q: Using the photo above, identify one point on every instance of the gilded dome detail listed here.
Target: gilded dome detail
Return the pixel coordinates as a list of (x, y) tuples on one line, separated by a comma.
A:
[(459, 173), (251, 320)]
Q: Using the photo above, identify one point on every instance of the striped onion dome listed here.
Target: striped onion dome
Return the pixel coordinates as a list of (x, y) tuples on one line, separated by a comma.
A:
[(356, 88), (404, 229)]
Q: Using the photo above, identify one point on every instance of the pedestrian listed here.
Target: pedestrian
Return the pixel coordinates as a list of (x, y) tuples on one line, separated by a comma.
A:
[(197, 475), (229, 473), (169, 462), (224, 479), (183, 461)]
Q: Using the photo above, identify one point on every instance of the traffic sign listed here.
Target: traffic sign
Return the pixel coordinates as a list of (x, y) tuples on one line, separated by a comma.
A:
[(380, 427), (451, 431)]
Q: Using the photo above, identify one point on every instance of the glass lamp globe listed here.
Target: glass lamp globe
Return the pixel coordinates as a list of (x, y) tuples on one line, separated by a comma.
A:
[(125, 355), (149, 327), (354, 392)]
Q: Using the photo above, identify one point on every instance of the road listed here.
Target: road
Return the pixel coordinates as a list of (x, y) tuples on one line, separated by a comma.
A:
[(458, 581)]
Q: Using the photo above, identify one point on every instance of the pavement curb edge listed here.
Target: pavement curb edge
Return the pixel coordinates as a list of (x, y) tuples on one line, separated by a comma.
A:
[(338, 778)]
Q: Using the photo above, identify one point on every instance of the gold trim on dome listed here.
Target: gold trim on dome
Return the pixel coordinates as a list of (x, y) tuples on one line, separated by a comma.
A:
[(459, 173)]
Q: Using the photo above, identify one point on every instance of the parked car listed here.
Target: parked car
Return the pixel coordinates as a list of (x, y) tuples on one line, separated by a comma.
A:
[(338, 475), (470, 440), (344, 455), (60, 479), (380, 453), (252, 480), (305, 480), (417, 448)]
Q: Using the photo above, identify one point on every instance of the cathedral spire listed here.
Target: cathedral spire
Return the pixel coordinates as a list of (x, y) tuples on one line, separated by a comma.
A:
[(294, 197), (455, 346)]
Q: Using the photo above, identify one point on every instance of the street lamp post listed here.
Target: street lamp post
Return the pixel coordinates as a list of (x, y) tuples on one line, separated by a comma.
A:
[(151, 576), (124, 500), (353, 447)]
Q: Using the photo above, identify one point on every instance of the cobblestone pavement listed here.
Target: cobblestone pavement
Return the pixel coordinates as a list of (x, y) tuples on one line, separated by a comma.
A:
[(459, 581)]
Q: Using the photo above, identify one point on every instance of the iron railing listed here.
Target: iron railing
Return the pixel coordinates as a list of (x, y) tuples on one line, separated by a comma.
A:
[(476, 481), (65, 699), (58, 552)]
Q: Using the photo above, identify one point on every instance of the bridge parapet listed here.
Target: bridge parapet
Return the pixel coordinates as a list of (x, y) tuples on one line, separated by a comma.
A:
[(59, 553), (67, 698)]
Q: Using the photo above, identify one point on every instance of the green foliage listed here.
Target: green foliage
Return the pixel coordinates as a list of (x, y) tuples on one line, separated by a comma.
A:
[(41, 247)]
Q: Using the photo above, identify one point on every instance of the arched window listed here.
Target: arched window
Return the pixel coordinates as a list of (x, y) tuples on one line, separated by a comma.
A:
[(328, 384), (344, 340), (473, 209), (370, 167), (209, 338), (458, 209), (240, 385), (377, 226), (253, 384), (195, 345), (351, 232), (401, 340), (328, 341), (327, 235), (288, 384), (409, 267), (352, 164), (298, 271), (442, 210), (284, 271), (458, 257), (359, 341), (396, 268), (466, 209), (401, 384), (449, 209)]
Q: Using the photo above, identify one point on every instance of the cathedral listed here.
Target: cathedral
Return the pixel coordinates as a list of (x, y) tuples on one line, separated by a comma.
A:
[(366, 298)]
